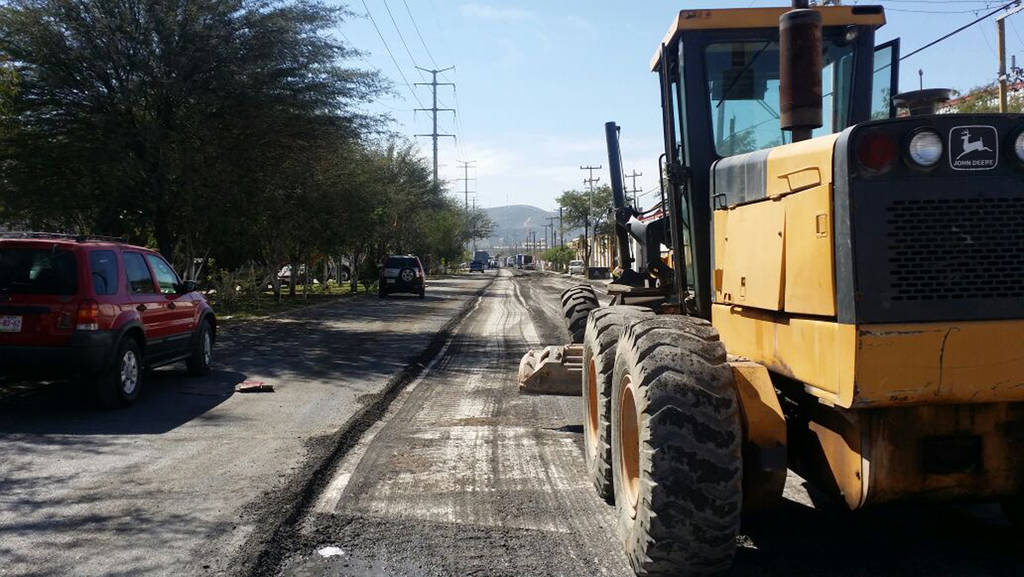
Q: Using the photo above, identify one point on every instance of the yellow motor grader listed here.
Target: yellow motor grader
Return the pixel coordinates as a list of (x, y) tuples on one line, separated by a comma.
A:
[(844, 294)]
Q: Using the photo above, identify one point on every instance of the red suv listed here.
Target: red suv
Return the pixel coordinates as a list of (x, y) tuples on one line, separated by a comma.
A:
[(97, 309)]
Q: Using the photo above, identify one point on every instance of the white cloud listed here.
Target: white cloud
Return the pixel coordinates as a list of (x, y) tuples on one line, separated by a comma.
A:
[(503, 14)]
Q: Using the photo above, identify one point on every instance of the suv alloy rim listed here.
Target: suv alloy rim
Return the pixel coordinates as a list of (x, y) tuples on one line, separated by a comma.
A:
[(408, 275), (129, 372), (207, 348)]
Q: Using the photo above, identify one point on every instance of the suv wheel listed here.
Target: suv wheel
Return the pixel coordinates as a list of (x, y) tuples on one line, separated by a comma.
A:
[(407, 275), (202, 351), (120, 383)]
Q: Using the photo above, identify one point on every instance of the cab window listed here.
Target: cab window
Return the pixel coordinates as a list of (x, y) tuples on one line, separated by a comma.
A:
[(743, 89), (166, 278)]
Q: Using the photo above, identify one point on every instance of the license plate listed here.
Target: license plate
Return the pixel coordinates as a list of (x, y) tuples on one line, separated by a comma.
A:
[(10, 324), (391, 281)]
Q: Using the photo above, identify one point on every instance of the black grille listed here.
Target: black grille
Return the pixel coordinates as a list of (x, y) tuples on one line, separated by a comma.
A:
[(955, 248)]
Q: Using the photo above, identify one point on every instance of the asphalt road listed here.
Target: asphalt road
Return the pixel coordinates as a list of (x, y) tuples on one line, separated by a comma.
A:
[(448, 472), (465, 476), (185, 481)]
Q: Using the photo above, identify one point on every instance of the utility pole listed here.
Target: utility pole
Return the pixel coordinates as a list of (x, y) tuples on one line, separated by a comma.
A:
[(635, 190), (433, 84), (561, 231), (1001, 40), (551, 223), (587, 249), (465, 166)]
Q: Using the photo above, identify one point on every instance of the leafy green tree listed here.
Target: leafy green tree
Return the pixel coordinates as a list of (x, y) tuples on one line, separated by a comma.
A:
[(559, 256), (587, 210), (175, 122), (985, 99)]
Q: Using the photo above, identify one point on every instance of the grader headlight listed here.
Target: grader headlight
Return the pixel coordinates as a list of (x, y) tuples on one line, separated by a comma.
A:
[(925, 148), (1018, 146)]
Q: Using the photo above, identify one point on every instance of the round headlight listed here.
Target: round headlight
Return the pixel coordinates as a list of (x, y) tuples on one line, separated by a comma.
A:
[(1018, 146), (925, 148)]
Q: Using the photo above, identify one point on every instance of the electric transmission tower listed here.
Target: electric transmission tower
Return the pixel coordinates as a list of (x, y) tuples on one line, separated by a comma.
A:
[(465, 165), (433, 110)]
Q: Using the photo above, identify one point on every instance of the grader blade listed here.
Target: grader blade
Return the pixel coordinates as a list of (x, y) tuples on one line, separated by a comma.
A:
[(554, 370)]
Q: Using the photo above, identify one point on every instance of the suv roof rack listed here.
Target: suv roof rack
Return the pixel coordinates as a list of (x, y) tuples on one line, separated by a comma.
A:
[(61, 236)]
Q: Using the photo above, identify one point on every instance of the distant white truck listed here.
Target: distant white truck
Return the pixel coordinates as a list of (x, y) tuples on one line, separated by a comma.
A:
[(576, 267)]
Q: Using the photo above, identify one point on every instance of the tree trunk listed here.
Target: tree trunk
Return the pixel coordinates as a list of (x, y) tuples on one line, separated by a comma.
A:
[(275, 285), (354, 266), (292, 278)]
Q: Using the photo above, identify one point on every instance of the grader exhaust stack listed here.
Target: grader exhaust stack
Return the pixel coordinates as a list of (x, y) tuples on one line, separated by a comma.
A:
[(800, 70)]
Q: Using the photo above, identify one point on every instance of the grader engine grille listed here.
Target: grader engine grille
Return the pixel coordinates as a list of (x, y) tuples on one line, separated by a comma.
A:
[(955, 249)]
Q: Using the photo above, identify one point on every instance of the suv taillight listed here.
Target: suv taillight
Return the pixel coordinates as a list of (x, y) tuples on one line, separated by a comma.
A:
[(88, 316)]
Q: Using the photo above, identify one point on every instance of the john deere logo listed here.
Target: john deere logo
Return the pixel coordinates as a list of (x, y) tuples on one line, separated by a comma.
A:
[(973, 148)]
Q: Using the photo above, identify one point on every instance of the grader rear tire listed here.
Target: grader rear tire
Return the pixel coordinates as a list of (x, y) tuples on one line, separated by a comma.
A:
[(604, 327), (577, 303), (676, 448)]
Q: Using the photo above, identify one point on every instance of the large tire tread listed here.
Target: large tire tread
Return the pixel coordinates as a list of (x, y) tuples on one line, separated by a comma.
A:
[(577, 304), (691, 467), (604, 327)]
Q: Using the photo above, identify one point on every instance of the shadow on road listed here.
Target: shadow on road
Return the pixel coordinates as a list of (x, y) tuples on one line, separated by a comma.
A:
[(170, 399), (919, 540)]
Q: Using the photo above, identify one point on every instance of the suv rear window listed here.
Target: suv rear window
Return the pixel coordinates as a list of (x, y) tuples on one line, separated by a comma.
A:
[(41, 271), (400, 262), (103, 270)]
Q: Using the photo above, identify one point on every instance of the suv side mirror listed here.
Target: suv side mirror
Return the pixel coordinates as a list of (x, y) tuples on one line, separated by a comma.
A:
[(187, 286)]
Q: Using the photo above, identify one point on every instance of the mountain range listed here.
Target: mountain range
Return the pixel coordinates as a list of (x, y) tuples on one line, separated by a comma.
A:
[(515, 223)]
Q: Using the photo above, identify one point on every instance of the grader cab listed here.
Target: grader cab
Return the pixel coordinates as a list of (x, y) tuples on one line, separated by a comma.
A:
[(845, 294)]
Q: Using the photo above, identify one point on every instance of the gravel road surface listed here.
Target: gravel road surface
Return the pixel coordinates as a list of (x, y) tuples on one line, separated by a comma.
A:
[(185, 480), (465, 476)]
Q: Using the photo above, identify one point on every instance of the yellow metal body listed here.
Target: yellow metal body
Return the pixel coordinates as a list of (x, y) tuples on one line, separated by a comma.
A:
[(873, 395), (728, 19), (764, 432)]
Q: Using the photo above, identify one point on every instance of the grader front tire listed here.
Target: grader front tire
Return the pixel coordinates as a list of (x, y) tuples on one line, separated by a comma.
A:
[(604, 327), (577, 302), (676, 448)]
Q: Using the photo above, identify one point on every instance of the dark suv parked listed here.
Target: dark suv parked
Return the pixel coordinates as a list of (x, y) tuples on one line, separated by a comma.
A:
[(97, 309), (401, 274)]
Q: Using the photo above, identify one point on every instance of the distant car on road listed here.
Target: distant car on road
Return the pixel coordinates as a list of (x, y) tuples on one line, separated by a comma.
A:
[(401, 274), (99, 310), (576, 267)]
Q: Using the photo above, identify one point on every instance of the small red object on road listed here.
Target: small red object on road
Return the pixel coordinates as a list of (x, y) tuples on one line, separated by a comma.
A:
[(255, 387)]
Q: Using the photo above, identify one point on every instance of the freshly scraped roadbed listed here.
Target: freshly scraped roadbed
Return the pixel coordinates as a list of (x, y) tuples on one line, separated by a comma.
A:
[(465, 476), (468, 477)]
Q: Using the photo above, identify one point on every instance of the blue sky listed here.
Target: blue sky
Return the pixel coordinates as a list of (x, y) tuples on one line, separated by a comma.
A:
[(537, 79)]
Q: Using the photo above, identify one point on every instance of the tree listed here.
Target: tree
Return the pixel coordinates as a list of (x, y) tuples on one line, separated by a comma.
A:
[(559, 256), (137, 118), (583, 209), (985, 99), (479, 225)]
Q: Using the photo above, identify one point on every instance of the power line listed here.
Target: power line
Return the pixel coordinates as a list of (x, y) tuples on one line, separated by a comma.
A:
[(961, 29), (388, 48), (402, 38), (417, 28)]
